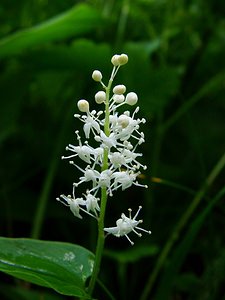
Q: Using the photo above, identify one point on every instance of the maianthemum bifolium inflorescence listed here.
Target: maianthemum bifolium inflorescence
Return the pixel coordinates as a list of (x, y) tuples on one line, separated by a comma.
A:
[(113, 164)]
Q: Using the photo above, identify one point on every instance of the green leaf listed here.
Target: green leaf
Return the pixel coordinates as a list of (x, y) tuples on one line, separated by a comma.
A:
[(78, 20), (70, 57), (61, 266)]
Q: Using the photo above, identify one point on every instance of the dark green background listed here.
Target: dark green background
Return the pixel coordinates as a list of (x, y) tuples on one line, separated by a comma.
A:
[(48, 50)]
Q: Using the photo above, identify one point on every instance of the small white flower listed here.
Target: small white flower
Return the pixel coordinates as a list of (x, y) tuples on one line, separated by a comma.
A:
[(123, 179), (132, 127), (92, 203), (91, 123), (130, 157), (117, 160), (103, 180), (83, 151), (89, 174), (107, 141), (125, 225), (98, 154), (73, 203)]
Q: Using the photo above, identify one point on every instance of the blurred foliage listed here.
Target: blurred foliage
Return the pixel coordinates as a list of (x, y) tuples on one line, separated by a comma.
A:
[(48, 50)]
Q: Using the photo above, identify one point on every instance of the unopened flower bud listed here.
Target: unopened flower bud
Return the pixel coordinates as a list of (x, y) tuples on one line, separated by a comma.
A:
[(118, 98), (97, 75), (119, 89), (131, 98), (123, 121), (115, 60), (83, 105), (123, 59), (100, 97)]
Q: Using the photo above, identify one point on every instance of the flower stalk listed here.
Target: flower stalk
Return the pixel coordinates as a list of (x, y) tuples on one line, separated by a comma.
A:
[(101, 235)]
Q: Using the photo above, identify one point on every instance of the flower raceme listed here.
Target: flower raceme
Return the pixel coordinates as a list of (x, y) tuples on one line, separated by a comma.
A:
[(113, 164)]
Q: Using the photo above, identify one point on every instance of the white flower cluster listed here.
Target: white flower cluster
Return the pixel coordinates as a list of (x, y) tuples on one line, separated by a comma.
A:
[(113, 163)]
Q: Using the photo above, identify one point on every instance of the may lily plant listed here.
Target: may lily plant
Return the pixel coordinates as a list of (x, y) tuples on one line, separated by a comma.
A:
[(111, 165)]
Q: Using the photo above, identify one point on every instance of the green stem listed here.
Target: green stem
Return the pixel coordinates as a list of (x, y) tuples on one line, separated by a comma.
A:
[(159, 134), (42, 204), (181, 224), (172, 184), (104, 196), (100, 242), (122, 22), (49, 179)]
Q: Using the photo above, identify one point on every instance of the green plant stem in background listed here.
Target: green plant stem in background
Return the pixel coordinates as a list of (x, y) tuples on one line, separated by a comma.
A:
[(48, 182), (104, 196), (173, 184), (180, 225), (42, 202), (107, 292), (159, 136), (122, 22)]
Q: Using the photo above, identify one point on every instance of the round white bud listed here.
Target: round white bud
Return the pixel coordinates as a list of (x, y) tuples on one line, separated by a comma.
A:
[(100, 97), (97, 75), (83, 105), (123, 59), (115, 60), (131, 98), (127, 113), (119, 89), (118, 98), (123, 121)]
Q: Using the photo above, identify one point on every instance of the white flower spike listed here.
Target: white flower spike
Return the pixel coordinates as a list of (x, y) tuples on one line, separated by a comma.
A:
[(125, 225), (108, 152)]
